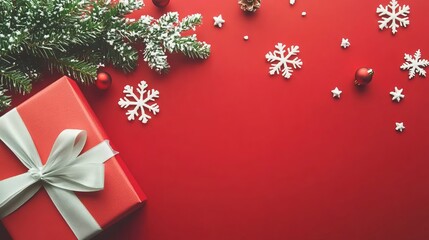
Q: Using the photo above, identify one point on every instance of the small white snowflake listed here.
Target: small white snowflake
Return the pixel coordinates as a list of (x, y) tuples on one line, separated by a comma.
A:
[(399, 126), (280, 61), (393, 14), (139, 102), (345, 43), (415, 65), (292, 2), (218, 21), (336, 93), (397, 94)]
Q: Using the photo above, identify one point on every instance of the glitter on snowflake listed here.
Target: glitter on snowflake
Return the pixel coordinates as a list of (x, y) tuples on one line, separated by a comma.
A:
[(139, 102), (393, 14), (281, 62), (415, 65)]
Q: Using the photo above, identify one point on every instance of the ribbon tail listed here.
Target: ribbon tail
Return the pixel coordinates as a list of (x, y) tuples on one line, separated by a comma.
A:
[(15, 135), (98, 154), (16, 191), (74, 212)]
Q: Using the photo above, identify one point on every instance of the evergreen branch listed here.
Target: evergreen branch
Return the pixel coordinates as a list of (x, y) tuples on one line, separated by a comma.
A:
[(15, 80), (125, 7), (30, 67), (145, 21), (5, 100), (192, 48), (155, 57), (94, 54), (190, 22), (6, 6), (168, 19), (75, 68), (43, 50), (121, 55), (165, 33), (12, 43), (75, 37)]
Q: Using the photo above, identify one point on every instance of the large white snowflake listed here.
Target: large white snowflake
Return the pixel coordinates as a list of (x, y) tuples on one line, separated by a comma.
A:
[(415, 65), (393, 14), (139, 102), (280, 62)]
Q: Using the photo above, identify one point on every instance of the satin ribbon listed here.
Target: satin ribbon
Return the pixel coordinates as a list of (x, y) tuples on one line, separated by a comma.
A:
[(64, 173)]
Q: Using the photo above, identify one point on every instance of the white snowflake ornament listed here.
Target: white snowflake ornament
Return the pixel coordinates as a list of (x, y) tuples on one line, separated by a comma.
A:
[(397, 94), (393, 16), (336, 93), (345, 43), (140, 102), (399, 126), (282, 62), (218, 21), (415, 65)]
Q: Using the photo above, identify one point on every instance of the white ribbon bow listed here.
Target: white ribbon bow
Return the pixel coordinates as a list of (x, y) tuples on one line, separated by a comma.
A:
[(63, 174)]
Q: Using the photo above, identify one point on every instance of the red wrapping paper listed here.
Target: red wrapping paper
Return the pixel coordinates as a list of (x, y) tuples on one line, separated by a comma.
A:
[(46, 114)]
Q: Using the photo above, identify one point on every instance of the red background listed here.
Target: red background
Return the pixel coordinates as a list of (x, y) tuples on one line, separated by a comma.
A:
[(238, 154)]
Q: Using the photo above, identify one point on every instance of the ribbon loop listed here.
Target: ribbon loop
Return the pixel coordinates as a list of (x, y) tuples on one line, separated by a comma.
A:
[(66, 148), (64, 173)]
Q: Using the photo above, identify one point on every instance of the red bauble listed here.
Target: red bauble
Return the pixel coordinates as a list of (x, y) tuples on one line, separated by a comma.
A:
[(103, 81), (363, 76), (161, 3)]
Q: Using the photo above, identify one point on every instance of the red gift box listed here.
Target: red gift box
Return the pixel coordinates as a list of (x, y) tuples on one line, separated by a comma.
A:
[(62, 106)]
